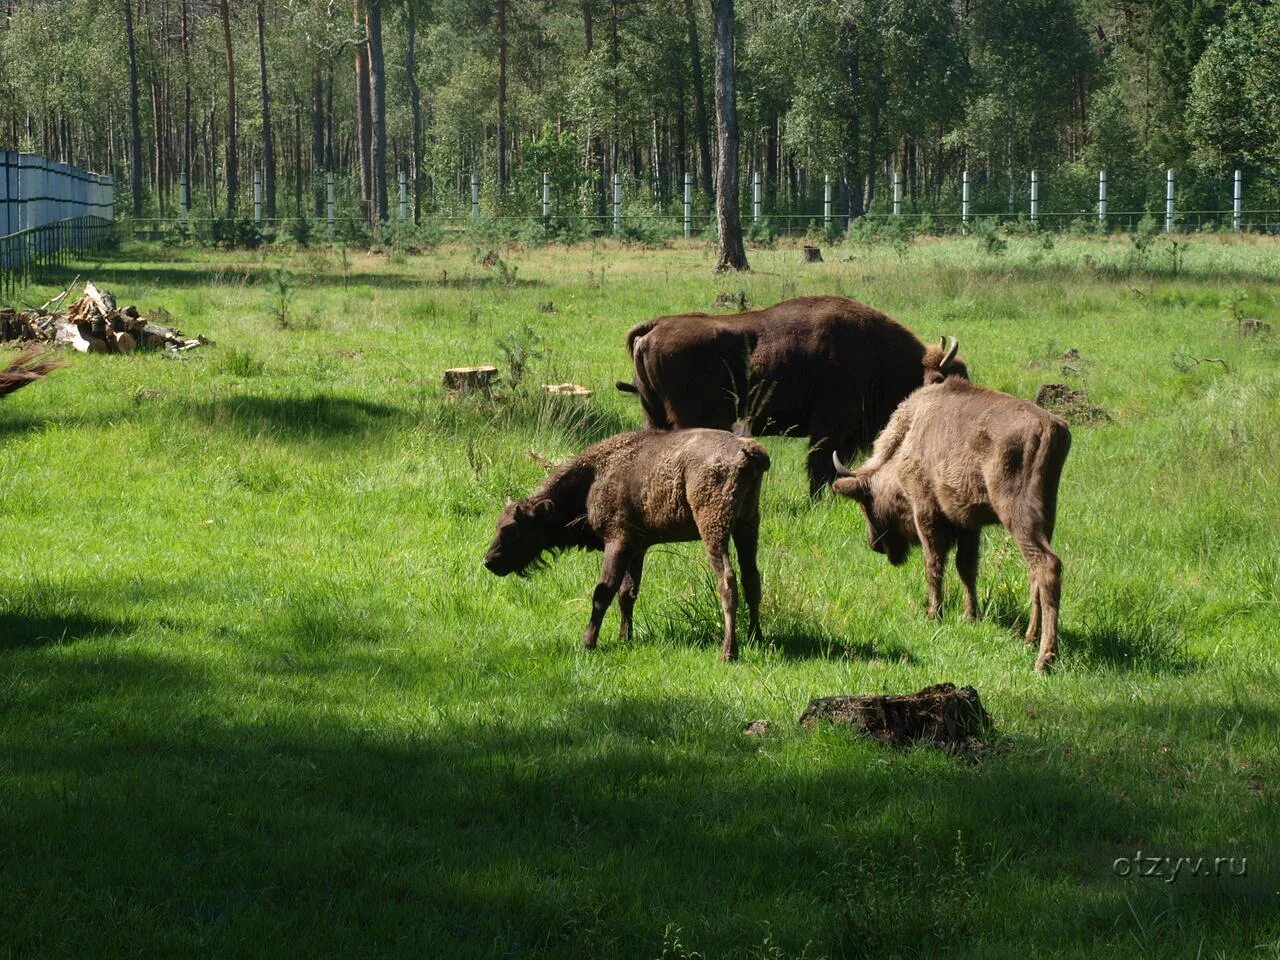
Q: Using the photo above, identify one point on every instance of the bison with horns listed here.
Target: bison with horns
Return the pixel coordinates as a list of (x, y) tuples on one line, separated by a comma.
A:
[(828, 368), (953, 459), (632, 491)]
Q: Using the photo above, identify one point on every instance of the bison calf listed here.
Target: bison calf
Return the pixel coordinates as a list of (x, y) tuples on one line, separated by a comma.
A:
[(634, 490), (953, 459)]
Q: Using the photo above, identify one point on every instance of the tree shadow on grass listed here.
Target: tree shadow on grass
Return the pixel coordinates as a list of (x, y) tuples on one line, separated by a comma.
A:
[(31, 628), (585, 831), (303, 416)]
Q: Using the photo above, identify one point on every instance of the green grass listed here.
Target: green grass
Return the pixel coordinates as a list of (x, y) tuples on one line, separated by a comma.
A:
[(259, 698)]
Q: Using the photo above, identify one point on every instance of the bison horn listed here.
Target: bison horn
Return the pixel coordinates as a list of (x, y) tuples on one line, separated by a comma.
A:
[(841, 469), (951, 351)]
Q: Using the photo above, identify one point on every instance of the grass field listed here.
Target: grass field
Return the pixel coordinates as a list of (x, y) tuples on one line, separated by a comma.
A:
[(259, 698)]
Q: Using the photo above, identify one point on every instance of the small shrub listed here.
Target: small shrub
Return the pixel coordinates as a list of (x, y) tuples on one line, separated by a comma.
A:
[(518, 349), (987, 232), (282, 294), (239, 363)]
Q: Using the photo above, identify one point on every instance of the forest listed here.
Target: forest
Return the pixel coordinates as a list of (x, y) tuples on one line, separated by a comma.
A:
[(850, 90)]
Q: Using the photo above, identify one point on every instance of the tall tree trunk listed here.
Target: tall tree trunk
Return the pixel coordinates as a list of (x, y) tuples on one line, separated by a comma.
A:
[(377, 115), (699, 97), (502, 97), (415, 105), (297, 160), (135, 127), (158, 135), (731, 255), (364, 128), (232, 172), (268, 148), (597, 144), (318, 165), (188, 136)]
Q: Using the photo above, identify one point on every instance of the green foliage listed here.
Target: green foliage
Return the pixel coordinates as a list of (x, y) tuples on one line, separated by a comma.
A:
[(987, 232), (518, 349)]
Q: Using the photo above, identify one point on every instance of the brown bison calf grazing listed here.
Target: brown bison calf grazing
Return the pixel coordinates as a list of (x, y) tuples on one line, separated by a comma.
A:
[(634, 490), (953, 459)]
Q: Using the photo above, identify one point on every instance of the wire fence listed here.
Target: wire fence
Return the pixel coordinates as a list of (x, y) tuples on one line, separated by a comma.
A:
[(28, 256)]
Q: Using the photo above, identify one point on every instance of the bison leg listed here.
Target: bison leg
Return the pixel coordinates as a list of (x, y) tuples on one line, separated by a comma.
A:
[(1033, 626), (1046, 594), (615, 565), (822, 473), (627, 594), (746, 538), (967, 566)]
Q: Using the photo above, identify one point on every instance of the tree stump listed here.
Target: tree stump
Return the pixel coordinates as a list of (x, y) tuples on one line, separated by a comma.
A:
[(469, 379), (812, 254), (566, 389), (943, 715)]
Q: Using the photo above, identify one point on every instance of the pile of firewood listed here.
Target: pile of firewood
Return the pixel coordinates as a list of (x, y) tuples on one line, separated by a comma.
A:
[(93, 324)]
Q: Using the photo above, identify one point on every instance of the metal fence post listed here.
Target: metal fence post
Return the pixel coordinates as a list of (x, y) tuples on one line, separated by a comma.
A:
[(1035, 196), (546, 196), (688, 204), (1168, 201), (755, 198), (330, 201), (404, 196), (897, 193), (826, 202), (617, 203), (1237, 193), (1102, 196), (184, 200), (257, 198), (475, 197), (964, 198)]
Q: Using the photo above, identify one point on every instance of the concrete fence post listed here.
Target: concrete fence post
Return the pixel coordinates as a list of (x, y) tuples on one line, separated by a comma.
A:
[(826, 202), (404, 196), (1035, 196), (755, 198), (964, 198), (475, 197), (257, 198), (184, 200), (1237, 194), (897, 193), (1102, 196), (330, 201), (546, 196), (617, 203), (688, 205), (1168, 201)]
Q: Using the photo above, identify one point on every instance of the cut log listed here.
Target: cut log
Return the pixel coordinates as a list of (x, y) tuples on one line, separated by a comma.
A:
[(943, 715), (566, 389), (812, 254), (470, 379), (104, 302), (124, 342)]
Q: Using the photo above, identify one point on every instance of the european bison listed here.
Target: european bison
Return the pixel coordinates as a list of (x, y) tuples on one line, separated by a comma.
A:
[(828, 368), (953, 459), (633, 490), (27, 367)]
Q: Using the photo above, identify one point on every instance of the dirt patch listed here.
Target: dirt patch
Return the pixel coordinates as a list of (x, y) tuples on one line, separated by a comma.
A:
[(1072, 405), (942, 715)]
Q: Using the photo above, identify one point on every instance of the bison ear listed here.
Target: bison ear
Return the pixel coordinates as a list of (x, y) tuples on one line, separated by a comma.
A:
[(858, 488), (538, 509)]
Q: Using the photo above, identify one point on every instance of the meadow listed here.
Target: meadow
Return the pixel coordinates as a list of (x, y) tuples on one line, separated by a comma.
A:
[(259, 698)]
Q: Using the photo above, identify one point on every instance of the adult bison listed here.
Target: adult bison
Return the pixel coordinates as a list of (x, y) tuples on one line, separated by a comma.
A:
[(625, 494), (828, 368), (953, 459)]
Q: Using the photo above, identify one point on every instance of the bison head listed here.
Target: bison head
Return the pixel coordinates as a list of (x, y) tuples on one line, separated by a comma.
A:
[(941, 362), (890, 527), (523, 534)]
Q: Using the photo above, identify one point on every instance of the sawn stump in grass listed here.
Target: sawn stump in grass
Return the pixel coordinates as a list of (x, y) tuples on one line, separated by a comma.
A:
[(943, 715)]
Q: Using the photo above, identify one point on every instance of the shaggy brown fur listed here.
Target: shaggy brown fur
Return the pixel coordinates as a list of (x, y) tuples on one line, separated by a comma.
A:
[(828, 368), (27, 367), (631, 491), (953, 459)]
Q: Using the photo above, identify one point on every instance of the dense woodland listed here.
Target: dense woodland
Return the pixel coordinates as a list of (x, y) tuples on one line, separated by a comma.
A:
[(848, 89)]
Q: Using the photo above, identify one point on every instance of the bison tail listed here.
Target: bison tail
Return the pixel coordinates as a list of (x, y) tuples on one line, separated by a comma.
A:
[(636, 332), (27, 367)]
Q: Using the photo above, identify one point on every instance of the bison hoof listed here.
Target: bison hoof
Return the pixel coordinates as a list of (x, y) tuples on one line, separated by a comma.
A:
[(1045, 663)]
